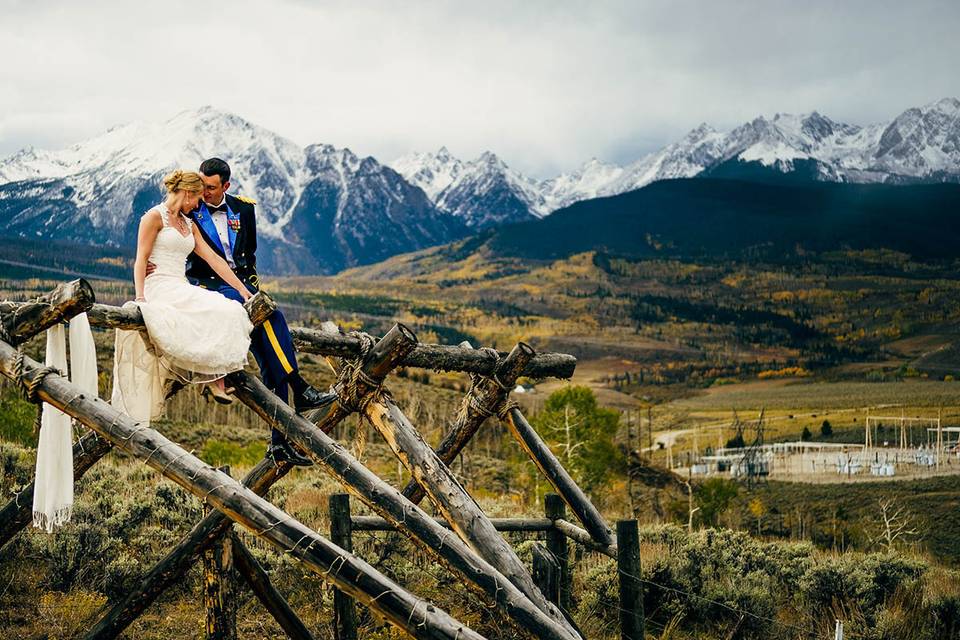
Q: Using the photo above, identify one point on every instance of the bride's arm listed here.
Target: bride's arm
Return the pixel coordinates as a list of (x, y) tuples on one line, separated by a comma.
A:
[(218, 264), (150, 225)]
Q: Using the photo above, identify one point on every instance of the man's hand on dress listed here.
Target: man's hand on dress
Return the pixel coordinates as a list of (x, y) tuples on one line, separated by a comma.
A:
[(150, 267)]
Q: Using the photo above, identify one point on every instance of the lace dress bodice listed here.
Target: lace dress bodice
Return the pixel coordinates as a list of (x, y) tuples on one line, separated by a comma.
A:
[(171, 248)]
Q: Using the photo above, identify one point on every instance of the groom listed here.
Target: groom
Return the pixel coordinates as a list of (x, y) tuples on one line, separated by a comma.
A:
[(228, 225)]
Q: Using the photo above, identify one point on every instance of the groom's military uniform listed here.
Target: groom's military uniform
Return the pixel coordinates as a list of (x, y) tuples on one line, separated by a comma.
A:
[(231, 230)]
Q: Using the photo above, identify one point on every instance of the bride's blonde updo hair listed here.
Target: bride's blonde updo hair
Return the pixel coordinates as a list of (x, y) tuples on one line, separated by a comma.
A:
[(180, 180)]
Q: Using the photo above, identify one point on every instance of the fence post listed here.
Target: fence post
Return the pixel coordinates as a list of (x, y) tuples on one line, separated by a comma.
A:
[(546, 573), (341, 534), (219, 586), (631, 589), (555, 509)]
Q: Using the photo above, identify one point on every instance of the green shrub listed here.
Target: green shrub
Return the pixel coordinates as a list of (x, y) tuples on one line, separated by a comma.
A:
[(713, 496), (859, 581), (66, 615), (17, 418), (16, 467), (224, 452), (598, 602), (944, 617)]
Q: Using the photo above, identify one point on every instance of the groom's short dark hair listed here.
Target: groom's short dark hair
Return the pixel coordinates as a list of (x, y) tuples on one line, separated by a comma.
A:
[(216, 167)]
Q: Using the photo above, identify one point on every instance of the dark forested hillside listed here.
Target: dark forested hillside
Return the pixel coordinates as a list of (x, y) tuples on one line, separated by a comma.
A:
[(710, 217)]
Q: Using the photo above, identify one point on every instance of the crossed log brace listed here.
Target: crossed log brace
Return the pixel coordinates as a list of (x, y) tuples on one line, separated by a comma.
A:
[(471, 546)]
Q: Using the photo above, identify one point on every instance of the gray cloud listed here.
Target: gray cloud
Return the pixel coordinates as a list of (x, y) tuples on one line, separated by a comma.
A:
[(545, 84)]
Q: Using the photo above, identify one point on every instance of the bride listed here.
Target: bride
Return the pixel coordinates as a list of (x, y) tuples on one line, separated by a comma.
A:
[(195, 335)]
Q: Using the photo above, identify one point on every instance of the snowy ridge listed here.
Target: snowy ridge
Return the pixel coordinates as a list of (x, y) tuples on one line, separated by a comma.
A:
[(920, 144), (332, 208), (96, 190), (432, 172)]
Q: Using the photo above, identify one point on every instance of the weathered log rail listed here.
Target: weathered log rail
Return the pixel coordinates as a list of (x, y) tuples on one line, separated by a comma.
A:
[(465, 538), (438, 357), (434, 356)]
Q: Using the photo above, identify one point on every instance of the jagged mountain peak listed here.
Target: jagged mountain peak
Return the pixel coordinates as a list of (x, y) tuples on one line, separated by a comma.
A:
[(431, 171), (323, 155), (827, 149), (948, 104), (922, 141), (491, 161)]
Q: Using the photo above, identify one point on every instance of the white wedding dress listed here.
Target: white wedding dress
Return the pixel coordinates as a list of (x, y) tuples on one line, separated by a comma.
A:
[(195, 334)]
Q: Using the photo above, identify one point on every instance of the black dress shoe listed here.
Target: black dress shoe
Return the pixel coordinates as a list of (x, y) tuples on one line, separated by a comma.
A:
[(312, 398), (285, 453)]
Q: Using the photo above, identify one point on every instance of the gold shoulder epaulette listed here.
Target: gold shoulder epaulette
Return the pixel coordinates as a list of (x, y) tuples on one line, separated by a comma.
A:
[(246, 199)]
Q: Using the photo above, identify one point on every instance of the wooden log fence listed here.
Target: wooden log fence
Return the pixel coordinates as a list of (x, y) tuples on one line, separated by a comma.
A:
[(240, 504), (390, 503), (554, 557), (384, 356), (466, 518), (465, 539)]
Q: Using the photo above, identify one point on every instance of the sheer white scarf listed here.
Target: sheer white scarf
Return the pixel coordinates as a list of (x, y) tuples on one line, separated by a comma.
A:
[(53, 488)]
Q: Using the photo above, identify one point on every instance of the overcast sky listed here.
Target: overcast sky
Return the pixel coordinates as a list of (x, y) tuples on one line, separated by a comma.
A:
[(546, 85)]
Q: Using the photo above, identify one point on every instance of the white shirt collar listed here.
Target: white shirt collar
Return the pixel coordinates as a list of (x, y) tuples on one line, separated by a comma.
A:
[(222, 200)]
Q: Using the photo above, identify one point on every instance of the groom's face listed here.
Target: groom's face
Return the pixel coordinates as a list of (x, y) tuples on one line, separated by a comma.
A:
[(213, 189)]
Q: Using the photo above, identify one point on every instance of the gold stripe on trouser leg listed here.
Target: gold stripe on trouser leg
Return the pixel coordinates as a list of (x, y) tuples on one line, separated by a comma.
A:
[(276, 346)]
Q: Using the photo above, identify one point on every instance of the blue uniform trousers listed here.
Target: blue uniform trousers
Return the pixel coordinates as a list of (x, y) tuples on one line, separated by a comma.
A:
[(272, 347)]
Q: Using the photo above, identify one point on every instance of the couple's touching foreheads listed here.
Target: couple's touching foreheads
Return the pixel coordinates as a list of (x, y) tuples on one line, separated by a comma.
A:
[(195, 266)]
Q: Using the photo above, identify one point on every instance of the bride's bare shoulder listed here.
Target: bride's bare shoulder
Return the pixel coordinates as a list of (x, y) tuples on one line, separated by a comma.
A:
[(152, 218)]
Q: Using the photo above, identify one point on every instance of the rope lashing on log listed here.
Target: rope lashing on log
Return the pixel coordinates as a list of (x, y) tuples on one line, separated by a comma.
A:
[(355, 388), (476, 403), (484, 396)]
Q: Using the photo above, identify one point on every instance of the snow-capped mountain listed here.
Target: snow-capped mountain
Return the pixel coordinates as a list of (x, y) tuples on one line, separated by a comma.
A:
[(94, 191), (364, 211), (107, 174), (483, 192), (432, 172), (321, 209), (921, 144)]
